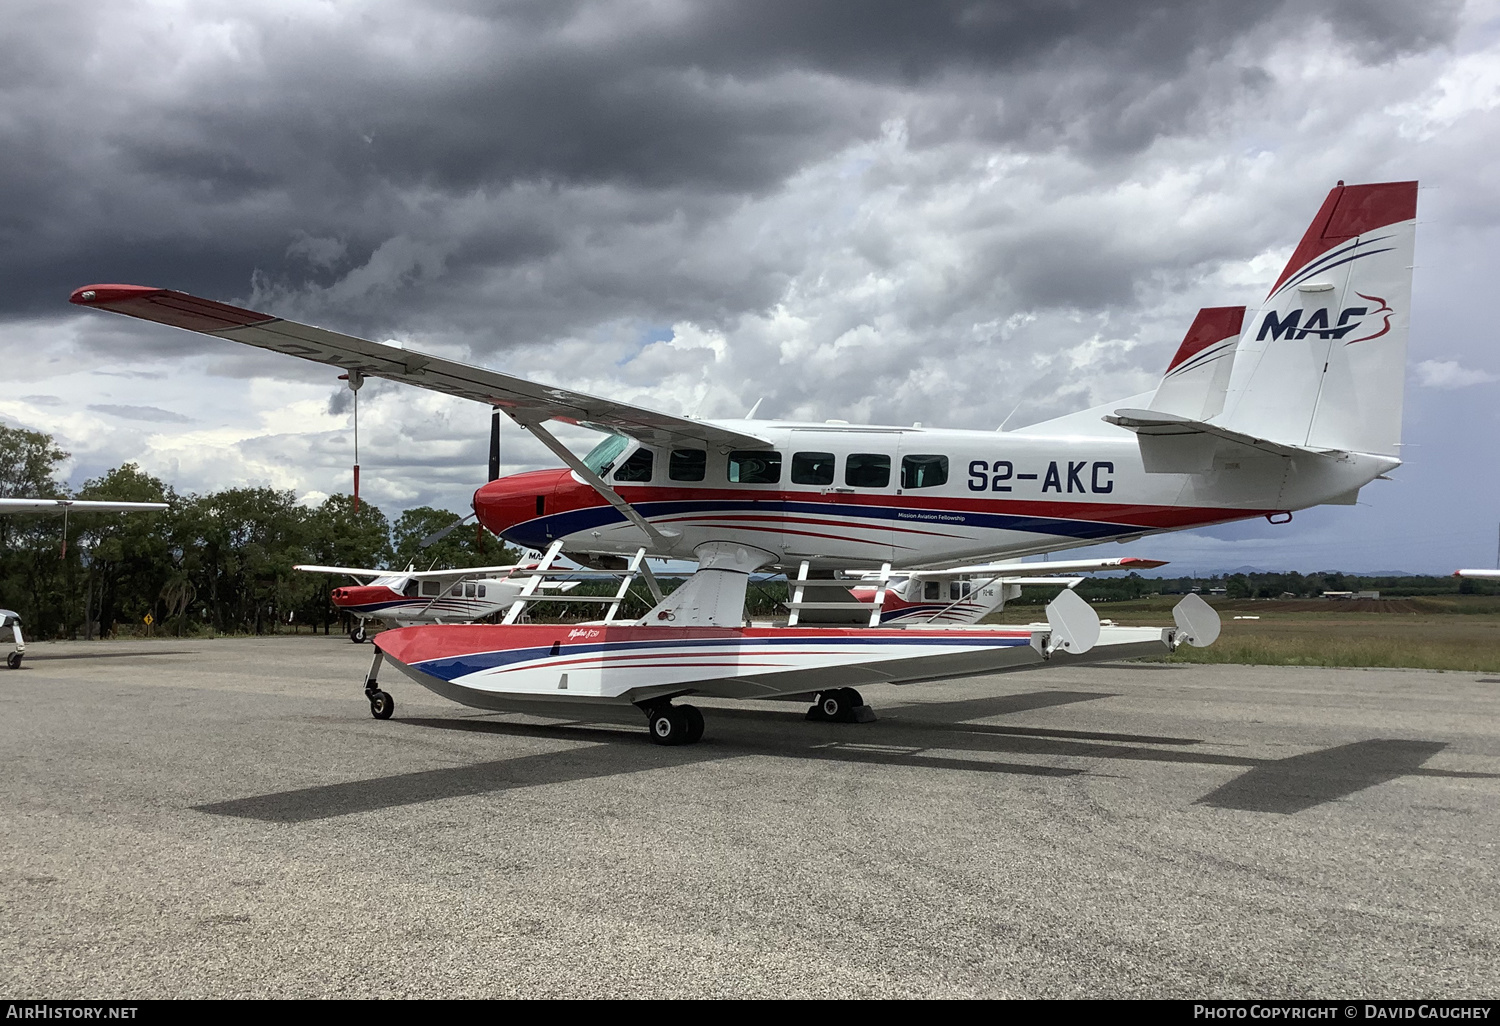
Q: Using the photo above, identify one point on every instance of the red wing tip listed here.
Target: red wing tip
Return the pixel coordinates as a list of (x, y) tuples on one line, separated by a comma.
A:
[(1145, 564), (96, 295)]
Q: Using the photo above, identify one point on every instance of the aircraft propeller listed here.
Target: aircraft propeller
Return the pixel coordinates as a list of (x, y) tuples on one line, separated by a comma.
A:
[(441, 533)]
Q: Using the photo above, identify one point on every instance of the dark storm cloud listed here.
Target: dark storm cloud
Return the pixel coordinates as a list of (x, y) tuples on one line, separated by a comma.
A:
[(194, 153)]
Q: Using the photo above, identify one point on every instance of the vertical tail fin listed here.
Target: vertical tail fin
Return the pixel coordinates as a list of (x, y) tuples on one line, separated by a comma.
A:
[(1198, 375), (1322, 363)]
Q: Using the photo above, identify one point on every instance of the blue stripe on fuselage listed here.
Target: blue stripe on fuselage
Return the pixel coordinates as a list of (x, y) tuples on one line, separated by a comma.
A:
[(538, 533)]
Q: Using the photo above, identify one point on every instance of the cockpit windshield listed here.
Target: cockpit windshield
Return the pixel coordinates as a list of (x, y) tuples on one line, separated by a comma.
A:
[(603, 455)]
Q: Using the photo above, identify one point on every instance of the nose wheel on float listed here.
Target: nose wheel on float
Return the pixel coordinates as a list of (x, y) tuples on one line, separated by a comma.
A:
[(382, 705)]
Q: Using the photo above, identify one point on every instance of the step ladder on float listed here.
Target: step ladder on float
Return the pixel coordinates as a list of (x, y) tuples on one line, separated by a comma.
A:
[(533, 590), (801, 583)]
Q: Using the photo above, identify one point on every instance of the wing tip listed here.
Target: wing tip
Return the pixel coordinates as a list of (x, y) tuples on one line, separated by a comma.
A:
[(99, 295)]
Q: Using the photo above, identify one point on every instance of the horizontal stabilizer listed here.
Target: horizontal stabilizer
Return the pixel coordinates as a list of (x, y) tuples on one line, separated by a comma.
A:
[(1177, 445)]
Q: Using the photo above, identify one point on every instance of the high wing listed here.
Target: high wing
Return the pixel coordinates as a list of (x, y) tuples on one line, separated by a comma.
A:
[(420, 575), (59, 506), (451, 576), (1008, 571), (1478, 574), (526, 401), (349, 570)]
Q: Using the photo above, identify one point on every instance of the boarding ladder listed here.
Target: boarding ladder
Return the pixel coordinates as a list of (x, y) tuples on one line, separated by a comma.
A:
[(801, 583), (532, 591)]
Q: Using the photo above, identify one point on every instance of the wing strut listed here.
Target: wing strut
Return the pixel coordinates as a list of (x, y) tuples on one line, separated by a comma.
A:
[(629, 512)]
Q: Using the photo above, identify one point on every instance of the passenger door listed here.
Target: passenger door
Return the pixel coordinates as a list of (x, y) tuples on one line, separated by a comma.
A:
[(842, 520)]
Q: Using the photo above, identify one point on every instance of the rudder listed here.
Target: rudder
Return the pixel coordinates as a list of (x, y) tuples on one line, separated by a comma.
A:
[(1322, 364)]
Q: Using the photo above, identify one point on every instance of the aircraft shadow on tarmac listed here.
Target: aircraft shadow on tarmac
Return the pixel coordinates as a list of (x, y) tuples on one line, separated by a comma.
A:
[(904, 736)]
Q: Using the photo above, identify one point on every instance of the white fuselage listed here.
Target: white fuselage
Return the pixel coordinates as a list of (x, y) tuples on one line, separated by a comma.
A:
[(839, 496)]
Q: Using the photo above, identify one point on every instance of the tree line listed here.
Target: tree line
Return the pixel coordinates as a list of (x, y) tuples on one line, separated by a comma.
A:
[(220, 561), (223, 561)]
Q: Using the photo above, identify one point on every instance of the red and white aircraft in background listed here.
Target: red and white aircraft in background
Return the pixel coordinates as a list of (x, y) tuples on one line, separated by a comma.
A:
[(1297, 405), (57, 507), (967, 594), (428, 596)]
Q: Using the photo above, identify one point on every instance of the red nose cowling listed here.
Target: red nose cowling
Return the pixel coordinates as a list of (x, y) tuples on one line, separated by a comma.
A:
[(508, 501), (359, 595)]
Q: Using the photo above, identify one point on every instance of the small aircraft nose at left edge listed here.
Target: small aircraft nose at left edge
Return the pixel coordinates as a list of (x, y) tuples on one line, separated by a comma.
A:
[(1258, 414)]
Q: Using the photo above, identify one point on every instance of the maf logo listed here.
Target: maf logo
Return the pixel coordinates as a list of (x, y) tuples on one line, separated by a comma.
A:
[(1319, 323)]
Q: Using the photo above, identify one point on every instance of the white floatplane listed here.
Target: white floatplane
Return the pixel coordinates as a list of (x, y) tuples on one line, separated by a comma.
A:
[(428, 596), (967, 594), (1295, 406)]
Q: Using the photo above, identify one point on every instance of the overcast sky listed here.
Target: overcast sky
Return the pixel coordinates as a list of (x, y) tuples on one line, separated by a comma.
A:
[(876, 211)]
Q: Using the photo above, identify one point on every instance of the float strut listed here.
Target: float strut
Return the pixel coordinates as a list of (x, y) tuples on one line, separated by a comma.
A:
[(372, 682)]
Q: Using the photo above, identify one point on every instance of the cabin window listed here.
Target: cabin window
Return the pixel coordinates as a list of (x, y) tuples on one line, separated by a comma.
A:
[(687, 465), (755, 466), (432, 589), (867, 470), (481, 591), (471, 591), (924, 471), (637, 468), (812, 468), (602, 456), (959, 589), (410, 591), (932, 590)]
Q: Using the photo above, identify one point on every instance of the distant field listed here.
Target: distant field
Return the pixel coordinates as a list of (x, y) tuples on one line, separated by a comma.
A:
[(1451, 632)]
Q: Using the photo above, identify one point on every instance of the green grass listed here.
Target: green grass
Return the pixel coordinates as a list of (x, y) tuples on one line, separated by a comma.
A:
[(1458, 632)]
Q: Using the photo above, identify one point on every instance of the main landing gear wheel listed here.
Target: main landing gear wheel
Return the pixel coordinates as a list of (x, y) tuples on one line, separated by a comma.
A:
[(13, 660), (841, 705), (674, 724), (694, 724), (381, 705), (357, 634)]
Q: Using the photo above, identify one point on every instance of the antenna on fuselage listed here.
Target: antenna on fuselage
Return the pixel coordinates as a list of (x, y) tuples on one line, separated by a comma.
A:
[(1011, 414)]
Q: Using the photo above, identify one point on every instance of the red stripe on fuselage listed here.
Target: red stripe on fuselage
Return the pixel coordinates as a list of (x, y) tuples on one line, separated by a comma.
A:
[(566, 499)]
